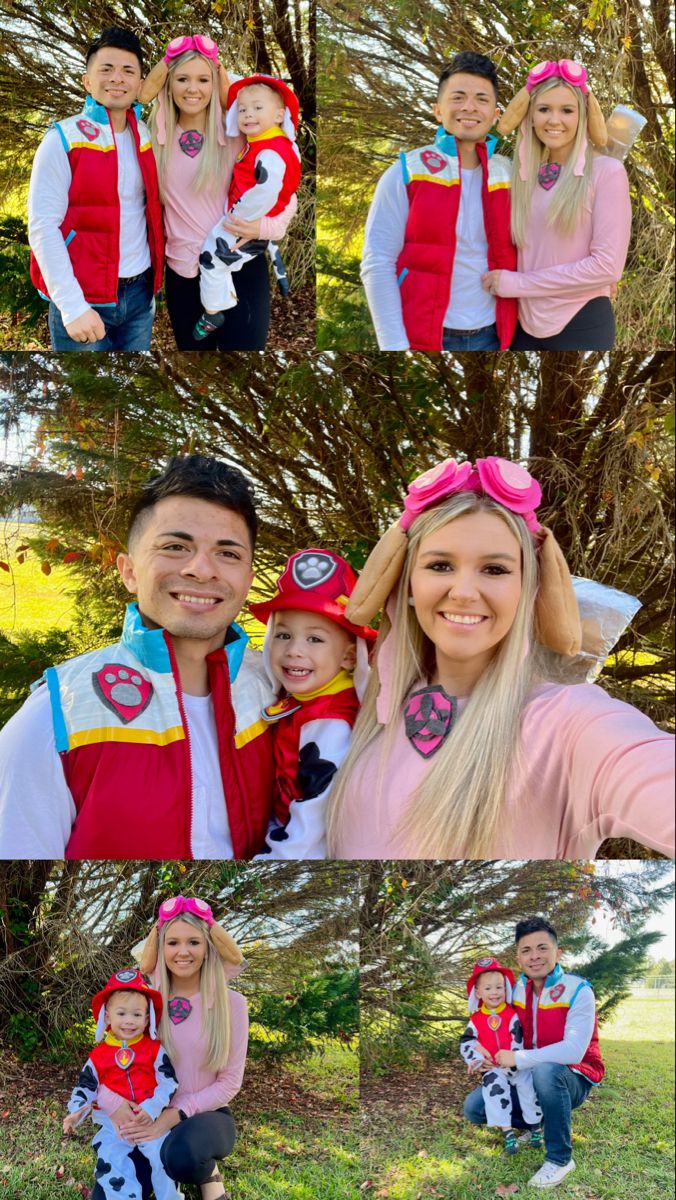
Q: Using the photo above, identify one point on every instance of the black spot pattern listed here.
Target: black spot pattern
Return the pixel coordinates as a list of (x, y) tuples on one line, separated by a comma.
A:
[(260, 172), (314, 772), (278, 835), (206, 260), (116, 1182), (497, 1090), (87, 1079), (517, 1034), (490, 1077), (102, 1168), (225, 254), (166, 1068), (505, 1103)]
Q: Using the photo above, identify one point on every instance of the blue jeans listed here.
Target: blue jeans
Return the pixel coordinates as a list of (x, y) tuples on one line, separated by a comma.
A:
[(129, 323), (474, 339), (559, 1091)]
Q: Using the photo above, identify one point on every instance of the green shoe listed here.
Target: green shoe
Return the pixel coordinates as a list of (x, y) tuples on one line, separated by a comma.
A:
[(510, 1144), (536, 1137)]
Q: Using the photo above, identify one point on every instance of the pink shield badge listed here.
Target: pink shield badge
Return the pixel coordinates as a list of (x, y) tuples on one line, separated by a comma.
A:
[(433, 161), (90, 131), (428, 719), (123, 690)]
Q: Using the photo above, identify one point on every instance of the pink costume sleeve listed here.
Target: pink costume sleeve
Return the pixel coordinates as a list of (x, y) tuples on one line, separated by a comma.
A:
[(619, 770), (229, 1079), (604, 263), (108, 1101), (274, 228)]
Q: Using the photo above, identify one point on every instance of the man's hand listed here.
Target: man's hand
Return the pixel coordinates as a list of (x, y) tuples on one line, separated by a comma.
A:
[(488, 1061), (505, 1058), (87, 328)]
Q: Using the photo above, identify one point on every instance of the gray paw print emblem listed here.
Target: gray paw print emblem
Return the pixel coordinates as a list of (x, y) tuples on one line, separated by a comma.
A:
[(123, 690), (311, 569)]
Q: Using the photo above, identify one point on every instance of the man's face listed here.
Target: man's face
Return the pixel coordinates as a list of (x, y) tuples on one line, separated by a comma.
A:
[(190, 568), (466, 107), (537, 954), (113, 78)]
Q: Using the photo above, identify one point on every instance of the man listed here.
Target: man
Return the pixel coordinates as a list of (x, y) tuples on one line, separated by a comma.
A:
[(154, 747), (561, 1047), (438, 221), (94, 213)]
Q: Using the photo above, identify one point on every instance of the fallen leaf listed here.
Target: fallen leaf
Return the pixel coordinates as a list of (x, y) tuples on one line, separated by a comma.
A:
[(60, 1172), (46, 569), (506, 1189)]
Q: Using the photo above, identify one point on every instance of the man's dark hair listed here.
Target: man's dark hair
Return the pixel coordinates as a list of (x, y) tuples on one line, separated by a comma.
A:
[(470, 63), (204, 478), (534, 925), (118, 39)]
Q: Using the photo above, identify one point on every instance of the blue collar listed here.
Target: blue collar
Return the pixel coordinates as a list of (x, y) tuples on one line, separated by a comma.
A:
[(150, 648), (446, 142), (97, 112)]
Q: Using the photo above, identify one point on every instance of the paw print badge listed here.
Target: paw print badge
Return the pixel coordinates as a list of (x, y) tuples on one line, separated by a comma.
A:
[(123, 690), (312, 568)]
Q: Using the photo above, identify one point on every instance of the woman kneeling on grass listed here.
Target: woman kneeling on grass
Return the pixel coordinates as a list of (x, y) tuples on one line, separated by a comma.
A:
[(462, 748), (204, 1027)]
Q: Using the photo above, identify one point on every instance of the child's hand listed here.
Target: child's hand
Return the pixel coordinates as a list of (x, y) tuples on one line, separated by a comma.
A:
[(74, 1118), (122, 1114), (143, 1118)]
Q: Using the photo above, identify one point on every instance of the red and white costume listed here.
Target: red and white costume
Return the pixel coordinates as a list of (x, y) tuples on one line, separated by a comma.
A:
[(498, 1029), (265, 177), (138, 1071)]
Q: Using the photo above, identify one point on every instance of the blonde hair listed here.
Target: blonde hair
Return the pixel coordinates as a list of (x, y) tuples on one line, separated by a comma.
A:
[(457, 808), (213, 992), (571, 189), (211, 170)]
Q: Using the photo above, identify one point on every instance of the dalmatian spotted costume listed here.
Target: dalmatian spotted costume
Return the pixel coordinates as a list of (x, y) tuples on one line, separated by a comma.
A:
[(139, 1071), (265, 177), (498, 1029), (311, 732)]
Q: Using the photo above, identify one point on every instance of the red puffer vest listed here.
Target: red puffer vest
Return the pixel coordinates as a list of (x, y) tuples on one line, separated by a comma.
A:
[(493, 1028), (91, 226), (136, 1082), (124, 743), (425, 265), (244, 173), (555, 1000)]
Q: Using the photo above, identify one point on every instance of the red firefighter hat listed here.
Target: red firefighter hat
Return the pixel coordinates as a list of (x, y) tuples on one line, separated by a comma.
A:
[(316, 581), (278, 85), (129, 980), (479, 968)]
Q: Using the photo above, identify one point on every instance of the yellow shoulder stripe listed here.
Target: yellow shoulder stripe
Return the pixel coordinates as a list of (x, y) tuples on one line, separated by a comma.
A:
[(115, 733), (252, 731)]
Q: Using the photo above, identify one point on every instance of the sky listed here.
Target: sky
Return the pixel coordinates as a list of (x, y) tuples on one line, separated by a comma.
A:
[(663, 922)]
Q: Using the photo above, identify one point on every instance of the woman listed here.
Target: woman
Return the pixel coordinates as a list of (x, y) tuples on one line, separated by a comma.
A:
[(461, 749), (194, 164), (571, 215), (204, 1028)]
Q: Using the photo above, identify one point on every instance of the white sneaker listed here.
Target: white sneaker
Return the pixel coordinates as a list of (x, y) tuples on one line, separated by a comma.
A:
[(551, 1174)]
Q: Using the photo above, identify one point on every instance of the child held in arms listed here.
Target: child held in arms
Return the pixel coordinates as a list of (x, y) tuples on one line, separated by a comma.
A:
[(494, 1025), (131, 1062), (320, 661), (265, 177)]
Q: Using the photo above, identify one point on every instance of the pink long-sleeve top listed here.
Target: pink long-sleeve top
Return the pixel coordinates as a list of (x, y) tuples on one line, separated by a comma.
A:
[(558, 274), (593, 768), (190, 215), (201, 1090)]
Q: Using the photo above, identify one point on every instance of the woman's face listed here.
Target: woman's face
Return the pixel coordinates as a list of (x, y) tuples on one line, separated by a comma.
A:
[(466, 586), (185, 949), (192, 84), (555, 118)]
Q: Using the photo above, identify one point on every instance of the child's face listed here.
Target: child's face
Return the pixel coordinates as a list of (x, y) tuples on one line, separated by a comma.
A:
[(127, 1015), (308, 649), (259, 108), (490, 988)]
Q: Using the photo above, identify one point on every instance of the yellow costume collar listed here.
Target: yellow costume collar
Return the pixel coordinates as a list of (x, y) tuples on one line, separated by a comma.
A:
[(340, 683), (273, 131)]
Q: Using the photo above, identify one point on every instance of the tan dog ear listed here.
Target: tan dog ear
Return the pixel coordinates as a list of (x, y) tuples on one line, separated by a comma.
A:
[(153, 83), (148, 959), (557, 619), (380, 574), (224, 82), (514, 112), (226, 945), (596, 126)]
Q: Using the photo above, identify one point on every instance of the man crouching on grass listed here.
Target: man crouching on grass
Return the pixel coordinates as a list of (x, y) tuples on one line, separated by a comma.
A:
[(558, 1014)]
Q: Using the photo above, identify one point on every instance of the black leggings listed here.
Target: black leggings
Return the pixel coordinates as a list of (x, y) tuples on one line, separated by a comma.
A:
[(592, 328), (190, 1151), (246, 325)]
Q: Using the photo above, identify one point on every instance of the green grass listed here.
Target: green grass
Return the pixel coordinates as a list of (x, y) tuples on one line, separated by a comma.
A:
[(280, 1154), (622, 1136), (30, 600)]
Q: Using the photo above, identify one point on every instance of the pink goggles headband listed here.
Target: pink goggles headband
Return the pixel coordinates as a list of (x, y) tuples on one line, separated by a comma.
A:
[(180, 45), (170, 909), (569, 70), (504, 481)]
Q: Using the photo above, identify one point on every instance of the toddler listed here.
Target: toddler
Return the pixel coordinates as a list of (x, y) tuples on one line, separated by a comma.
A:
[(132, 1063), (494, 1025), (320, 660), (265, 177)]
